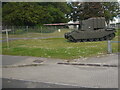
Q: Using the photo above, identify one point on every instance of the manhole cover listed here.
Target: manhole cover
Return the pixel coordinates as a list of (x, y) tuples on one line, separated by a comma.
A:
[(38, 61)]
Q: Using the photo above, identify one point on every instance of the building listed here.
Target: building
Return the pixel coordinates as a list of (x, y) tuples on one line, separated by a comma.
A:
[(115, 23)]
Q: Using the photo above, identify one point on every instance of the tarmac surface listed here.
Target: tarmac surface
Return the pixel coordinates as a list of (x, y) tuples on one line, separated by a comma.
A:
[(46, 72), (12, 83)]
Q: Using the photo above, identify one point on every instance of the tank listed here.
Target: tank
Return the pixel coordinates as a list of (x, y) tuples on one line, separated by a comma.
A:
[(92, 29)]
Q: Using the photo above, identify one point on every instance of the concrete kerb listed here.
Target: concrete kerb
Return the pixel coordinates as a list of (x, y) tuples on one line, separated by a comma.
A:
[(22, 65), (33, 61), (90, 64), (79, 64)]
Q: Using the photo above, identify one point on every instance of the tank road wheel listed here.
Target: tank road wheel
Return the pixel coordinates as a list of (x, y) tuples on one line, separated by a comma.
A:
[(96, 39), (111, 36), (105, 38), (91, 40), (80, 40), (72, 39), (84, 40), (102, 39)]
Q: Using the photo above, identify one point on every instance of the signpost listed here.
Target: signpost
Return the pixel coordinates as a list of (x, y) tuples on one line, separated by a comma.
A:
[(7, 30)]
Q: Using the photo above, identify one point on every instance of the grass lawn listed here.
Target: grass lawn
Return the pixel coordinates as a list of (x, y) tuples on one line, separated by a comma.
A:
[(57, 48)]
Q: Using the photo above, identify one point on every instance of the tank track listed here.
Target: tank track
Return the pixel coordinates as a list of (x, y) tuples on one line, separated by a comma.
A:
[(108, 37)]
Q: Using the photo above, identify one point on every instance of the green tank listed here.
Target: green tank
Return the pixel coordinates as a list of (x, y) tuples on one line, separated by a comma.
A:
[(92, 29)]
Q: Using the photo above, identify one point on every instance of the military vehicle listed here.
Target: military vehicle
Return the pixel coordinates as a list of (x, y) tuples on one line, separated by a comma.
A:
[(92, 29)]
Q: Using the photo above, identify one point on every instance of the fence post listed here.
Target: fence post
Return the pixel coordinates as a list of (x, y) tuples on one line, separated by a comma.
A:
[(7, 38), (41, 31), (27, 28), (41, 28), (13, 29), (109, 47), (55, 27)]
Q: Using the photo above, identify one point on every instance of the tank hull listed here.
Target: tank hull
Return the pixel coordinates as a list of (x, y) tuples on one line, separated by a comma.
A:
[(96, 35), (92, 29)]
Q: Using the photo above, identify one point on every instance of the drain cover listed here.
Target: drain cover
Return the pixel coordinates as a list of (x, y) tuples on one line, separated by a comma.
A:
[(38, 61)]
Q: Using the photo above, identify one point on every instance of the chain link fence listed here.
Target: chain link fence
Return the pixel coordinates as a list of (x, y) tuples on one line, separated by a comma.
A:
[(35, 31)]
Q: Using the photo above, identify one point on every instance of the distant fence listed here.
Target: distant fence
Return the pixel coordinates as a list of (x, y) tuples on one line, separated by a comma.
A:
[(37, 29), (110, 45), (31, 32)]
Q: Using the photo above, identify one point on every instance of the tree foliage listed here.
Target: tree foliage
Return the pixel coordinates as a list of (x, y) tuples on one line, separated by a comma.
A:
[(111, 10), (85, 10), (33, 13), (57, 10), (38, 13)]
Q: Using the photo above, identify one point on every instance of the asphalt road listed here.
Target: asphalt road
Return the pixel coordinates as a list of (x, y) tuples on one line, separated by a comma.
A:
[(63, 75), (10, 60), (12, 83)]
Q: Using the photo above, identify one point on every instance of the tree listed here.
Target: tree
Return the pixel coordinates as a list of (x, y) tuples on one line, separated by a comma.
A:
[(58, 10), (111, 10), (85, 10), (21, 13), (33, 13)]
